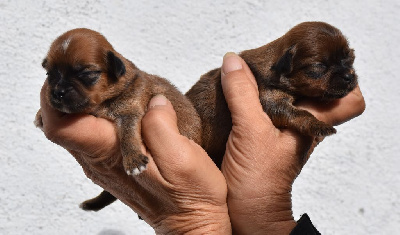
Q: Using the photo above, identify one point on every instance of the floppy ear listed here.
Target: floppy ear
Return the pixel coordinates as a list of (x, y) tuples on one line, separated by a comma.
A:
[(44, 63), (115, 66), (285, 62)]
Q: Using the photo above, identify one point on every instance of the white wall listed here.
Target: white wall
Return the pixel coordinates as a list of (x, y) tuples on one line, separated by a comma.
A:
[(351, 184)]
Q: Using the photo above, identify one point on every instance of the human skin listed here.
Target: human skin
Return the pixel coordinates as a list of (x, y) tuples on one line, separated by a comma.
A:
[(166, 195), (261, 162), (182, 191)]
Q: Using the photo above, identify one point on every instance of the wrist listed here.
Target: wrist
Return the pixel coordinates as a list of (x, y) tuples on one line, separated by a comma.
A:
[(270, 214), (195, 222)]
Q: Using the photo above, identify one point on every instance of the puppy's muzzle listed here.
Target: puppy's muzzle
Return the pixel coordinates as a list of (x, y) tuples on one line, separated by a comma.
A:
[(59, 94), (348, 77)]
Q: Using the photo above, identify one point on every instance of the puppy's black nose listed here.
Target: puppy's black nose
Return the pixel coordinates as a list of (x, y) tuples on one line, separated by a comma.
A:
[(348, 77), (59, 93)]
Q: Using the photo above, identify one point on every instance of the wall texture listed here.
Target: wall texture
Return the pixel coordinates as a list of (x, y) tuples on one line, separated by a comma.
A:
[(351, 184)]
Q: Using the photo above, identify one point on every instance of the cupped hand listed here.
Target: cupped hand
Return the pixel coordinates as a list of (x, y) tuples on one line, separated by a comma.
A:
[(261, 162), (182, 191)]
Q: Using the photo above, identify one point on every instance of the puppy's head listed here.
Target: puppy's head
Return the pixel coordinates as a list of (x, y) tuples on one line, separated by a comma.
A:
[(83, 70), (316, 61)]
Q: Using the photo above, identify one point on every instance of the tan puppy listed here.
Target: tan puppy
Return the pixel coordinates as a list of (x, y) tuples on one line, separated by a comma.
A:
[(312, 60), (86, 75)]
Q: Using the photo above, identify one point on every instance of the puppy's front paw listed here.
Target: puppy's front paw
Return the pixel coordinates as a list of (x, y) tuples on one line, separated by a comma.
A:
[(38, 119), (322, 129), (134, 165)]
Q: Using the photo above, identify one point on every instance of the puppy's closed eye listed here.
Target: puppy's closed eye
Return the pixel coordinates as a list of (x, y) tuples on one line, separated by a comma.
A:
[(316, 71), (89, 77), (347, 63)]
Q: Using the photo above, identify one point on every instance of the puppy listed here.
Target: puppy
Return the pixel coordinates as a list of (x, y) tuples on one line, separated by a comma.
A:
[(312, 60), (86, 75)]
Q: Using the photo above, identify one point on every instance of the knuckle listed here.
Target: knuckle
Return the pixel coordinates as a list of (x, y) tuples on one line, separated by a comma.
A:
[(237, 86)]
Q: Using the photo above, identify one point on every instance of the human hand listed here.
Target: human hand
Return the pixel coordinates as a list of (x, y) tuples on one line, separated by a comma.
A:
[(261, 162), (182, 191)]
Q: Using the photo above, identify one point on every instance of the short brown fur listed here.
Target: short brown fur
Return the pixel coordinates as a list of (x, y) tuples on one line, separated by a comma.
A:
[(312, 60), (86, 75)]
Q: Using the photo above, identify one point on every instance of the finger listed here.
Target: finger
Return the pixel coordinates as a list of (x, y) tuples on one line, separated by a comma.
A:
[(338, 111), (159, 123), (161, 134), (172, 153), (240, 90), (79, 132), (49, 113)]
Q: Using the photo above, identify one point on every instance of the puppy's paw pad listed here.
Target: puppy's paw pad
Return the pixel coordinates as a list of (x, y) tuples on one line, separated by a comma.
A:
[(136, 171), (135, 166)]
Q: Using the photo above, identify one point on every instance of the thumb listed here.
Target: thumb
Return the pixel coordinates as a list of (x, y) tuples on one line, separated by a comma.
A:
[(240, 90), (174, 154), (159, 123), (161, 135)]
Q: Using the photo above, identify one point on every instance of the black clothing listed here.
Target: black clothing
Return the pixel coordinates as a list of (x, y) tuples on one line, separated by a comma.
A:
[(304, 227)]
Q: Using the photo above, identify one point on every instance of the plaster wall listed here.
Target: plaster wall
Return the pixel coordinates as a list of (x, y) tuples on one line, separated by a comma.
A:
[(351, 185)]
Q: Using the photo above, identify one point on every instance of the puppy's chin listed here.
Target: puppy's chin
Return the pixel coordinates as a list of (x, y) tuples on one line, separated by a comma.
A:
[(68, 99), (333, 96), (70, 107), (337, 94)]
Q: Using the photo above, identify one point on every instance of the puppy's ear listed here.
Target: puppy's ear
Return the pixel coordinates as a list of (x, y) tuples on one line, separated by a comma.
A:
[(285, 62), (115, 66), (44, 63)]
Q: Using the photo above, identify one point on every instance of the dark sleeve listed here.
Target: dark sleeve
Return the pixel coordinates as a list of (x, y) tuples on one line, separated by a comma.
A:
[(304, 227)]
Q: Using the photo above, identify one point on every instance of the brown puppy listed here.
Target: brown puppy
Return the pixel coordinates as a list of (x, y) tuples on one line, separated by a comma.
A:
[(86, 75), (312, 60)]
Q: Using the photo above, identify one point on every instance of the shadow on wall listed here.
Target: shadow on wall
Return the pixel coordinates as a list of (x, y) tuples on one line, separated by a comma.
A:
[(111, 232)]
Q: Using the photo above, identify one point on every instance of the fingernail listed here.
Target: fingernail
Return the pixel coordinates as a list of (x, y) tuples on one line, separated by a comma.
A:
[(231, 62), (158, 100)]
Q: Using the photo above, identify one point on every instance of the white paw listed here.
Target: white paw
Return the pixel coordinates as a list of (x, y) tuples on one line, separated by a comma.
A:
[(136, 171)]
